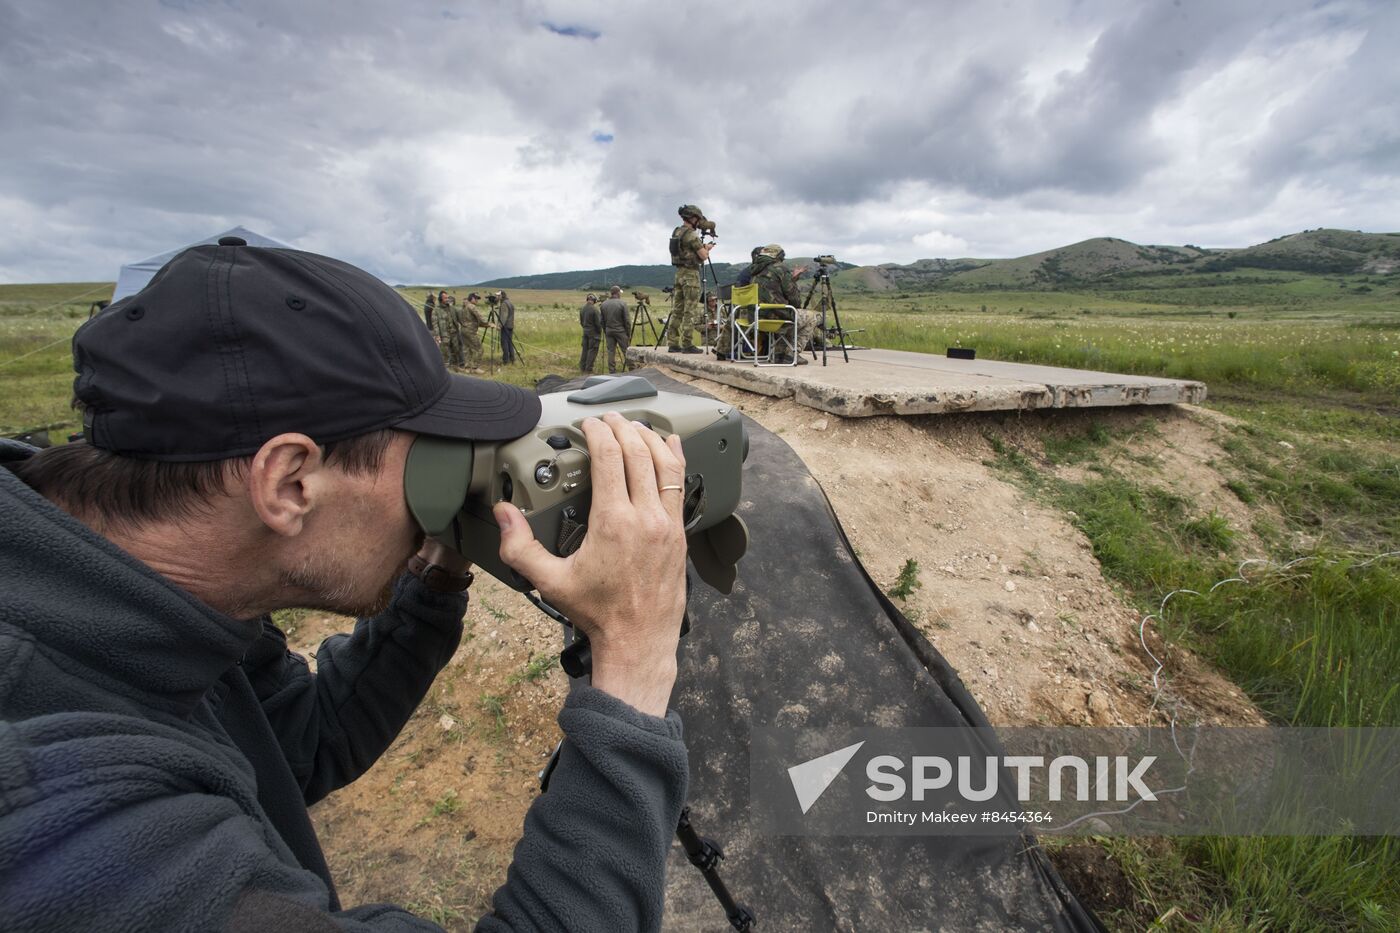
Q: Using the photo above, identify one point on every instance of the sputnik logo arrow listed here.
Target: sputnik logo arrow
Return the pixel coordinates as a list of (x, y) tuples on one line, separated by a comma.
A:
[(811, 778)]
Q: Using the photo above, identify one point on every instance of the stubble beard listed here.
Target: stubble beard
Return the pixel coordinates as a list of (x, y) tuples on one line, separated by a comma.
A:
[(328, 586)]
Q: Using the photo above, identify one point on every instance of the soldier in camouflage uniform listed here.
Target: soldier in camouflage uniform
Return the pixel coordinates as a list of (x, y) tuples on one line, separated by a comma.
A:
[(688, 255), (459, 355), (777, 284), (472, 322), (447, 332)]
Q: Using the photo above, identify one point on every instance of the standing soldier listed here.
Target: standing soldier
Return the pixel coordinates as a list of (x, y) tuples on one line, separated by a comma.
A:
[(472, 322), (688, 254), (592, 323), (444, 331), (505, 315), (617, 329), (428, 312), (459, 356)]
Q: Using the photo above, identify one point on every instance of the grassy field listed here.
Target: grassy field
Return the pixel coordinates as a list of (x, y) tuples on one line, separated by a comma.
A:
[(1308, 370)]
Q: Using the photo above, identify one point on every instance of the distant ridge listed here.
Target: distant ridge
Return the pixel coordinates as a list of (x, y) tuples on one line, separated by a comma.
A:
[(600, 279), (1112, 261), (1098, 261)]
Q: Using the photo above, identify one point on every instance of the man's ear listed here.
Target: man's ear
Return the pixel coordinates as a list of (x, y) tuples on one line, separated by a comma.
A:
[(285, 482)]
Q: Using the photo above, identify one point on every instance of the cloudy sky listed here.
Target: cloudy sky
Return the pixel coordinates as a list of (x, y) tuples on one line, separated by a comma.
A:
[(453, 142)]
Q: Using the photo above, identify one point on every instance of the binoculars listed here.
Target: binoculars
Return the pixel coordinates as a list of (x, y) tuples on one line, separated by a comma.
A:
[(452, 485)]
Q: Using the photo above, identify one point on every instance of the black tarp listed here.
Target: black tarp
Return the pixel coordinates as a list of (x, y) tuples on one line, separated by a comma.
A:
[(808, 640)]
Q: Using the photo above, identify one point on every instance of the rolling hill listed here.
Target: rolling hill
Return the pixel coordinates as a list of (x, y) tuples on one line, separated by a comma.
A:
[(656, 276), (1098, 262)]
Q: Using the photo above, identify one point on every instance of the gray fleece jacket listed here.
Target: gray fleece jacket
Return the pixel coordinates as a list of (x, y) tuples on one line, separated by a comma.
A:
[(157, 757)]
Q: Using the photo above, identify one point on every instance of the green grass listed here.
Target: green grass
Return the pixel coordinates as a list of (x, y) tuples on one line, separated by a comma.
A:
[(1077, 448), (1315, 644), (1301, 884), (495, 707), (907, 581), (534, 669), (1273, 355)]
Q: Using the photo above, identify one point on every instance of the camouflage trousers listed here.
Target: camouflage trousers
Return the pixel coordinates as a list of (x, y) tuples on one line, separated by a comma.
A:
[(471, 340), (686, 314), (724, 336), (806, 327)]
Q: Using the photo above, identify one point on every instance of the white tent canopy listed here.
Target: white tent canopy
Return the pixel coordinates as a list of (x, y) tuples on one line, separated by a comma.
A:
[(134, 276)]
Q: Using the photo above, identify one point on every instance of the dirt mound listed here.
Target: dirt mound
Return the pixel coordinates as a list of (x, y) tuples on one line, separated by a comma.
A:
[(1009, 592)]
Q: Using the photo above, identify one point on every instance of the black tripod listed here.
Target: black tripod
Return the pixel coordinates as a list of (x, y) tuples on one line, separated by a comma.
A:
[(641, 320), (670, 293), (493, 324), (705, 297), (822, 280), (703, 853)]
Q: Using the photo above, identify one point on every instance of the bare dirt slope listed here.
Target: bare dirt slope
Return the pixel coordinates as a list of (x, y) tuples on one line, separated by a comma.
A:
[(1010, 593)]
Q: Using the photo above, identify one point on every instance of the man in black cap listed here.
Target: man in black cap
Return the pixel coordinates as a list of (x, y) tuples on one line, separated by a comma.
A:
[(247, 420)]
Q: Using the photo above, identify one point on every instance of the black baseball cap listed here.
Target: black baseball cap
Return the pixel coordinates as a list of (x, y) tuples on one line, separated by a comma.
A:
[(230, 345)]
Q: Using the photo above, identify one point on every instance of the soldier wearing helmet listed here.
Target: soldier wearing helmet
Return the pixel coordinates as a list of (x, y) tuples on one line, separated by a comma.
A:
[(688, 255), (777, 284)]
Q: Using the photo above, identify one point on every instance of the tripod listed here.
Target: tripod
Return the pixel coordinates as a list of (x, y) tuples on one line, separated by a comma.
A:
[(705, 298), (641, 320), (822, 281), (577, 661), (493, 324)]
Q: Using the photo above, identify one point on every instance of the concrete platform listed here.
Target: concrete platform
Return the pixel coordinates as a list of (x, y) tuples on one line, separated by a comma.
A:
[(897, 382)]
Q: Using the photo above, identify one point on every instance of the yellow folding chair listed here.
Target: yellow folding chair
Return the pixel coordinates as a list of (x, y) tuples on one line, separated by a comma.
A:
[(758, 339)]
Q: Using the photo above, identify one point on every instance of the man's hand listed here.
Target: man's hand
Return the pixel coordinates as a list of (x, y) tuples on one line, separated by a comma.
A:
[(796, 273), (435, 552), (625, 586)]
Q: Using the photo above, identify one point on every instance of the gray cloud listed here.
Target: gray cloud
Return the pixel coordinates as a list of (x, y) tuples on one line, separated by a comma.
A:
[(432, 145)]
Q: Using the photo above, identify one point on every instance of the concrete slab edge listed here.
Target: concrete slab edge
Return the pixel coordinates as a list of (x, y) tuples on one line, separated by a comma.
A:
[(851, 403)]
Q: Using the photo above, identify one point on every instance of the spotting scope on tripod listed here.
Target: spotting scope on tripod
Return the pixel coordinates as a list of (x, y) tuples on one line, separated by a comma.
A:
[(821, 289)]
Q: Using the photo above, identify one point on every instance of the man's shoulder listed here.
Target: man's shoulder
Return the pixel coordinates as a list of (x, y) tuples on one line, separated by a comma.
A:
[(41, 753), (121, 796)]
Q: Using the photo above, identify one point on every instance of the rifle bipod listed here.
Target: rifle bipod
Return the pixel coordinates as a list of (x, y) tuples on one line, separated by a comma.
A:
[(705, 854)]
